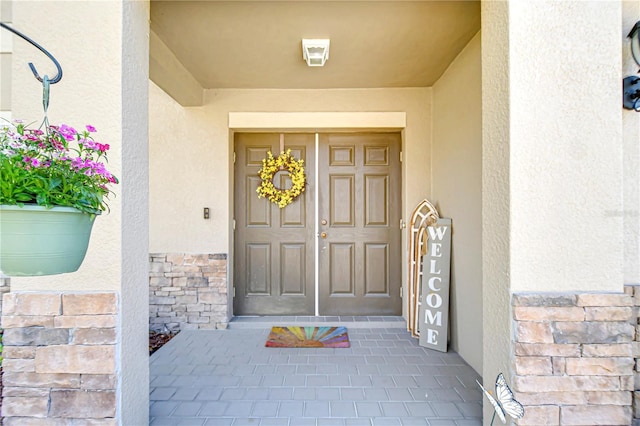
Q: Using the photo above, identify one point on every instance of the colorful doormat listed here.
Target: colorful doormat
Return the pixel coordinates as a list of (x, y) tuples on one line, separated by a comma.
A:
[(308, 337)]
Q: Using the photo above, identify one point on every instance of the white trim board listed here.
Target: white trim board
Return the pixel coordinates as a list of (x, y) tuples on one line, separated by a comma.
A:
[(316, 120)]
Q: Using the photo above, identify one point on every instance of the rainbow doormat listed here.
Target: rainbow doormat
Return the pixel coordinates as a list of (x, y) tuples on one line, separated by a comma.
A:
[(308, 337)]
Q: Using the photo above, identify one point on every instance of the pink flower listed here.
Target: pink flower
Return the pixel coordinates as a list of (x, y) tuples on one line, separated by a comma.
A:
[(67, 132), (57, 145), (89, 144), (90, 128), (77, 163)]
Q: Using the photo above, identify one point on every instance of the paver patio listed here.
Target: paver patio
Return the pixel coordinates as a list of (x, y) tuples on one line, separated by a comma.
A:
[(228, 377)]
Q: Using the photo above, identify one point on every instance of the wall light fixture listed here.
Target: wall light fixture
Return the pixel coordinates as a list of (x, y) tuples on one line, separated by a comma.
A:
[(631, 84)]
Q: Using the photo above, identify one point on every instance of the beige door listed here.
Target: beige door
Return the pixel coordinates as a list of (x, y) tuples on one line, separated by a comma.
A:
[(359, 245), (274, 256), (356, 232)]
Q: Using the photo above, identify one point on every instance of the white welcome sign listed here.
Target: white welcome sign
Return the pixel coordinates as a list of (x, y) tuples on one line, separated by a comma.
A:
[(434, 297)]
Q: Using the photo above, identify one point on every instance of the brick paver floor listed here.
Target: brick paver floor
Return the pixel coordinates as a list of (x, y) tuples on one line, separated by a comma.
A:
[(228, 377)]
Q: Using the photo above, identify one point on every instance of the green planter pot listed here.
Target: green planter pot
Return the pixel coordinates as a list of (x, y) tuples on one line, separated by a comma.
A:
[(35, 240)]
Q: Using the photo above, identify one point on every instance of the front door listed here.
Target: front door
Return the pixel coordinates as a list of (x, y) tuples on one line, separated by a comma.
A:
[(341, 244), (274, 256), (359, 245)]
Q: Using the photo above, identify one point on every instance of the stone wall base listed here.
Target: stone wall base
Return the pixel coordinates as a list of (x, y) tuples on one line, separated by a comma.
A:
[(5, 287), (59, 358), (187, 291), (575, 358)]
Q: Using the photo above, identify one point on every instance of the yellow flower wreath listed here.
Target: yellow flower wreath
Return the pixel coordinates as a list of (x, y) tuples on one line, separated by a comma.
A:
[(272, 165)]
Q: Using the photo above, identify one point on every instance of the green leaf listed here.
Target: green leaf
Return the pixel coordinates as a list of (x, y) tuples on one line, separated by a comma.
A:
[(54, 182), (23, 197)]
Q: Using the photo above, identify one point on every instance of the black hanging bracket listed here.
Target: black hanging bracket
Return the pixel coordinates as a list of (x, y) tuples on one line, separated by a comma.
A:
[(53, 80), (46, 81)]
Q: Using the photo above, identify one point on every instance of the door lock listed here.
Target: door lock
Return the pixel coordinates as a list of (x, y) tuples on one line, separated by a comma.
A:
[(323, 222)]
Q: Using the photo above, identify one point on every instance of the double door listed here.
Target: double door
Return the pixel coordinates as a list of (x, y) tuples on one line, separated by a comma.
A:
[(336, 249)]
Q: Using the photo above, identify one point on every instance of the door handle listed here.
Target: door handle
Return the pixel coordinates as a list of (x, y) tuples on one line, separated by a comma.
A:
[(323, 234)]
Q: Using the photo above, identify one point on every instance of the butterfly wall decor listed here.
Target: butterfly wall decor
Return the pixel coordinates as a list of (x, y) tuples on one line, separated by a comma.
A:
[(504, 403)]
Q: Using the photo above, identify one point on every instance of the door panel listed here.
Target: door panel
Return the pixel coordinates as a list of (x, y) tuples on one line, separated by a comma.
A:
[(376, 200), (293, 267), (342, 272), (360, 254), (376, 274), (343, 200), (274, 248), (259, 269)]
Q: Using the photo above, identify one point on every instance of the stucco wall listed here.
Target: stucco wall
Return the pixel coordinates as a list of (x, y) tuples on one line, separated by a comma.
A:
[(496, 314), (566, 146), (188, 170), (191, 155), (631, 140), (133, 363), (456, 163)]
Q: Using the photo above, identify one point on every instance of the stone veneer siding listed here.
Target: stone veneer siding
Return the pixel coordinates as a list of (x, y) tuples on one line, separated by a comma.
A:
[(576, 358), (634, 291), (187, 291), (5, 287), (59, 358)]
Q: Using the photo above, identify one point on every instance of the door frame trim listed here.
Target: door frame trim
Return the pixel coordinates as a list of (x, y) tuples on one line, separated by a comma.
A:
[(313, 122), (317, 121)]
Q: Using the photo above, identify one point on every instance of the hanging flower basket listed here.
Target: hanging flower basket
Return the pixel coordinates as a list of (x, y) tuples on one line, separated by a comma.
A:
[(270, 167), (53, 183), (36, 240)]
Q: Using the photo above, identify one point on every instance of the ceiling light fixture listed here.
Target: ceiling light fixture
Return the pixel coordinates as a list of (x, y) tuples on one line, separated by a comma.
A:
[(315, 51)]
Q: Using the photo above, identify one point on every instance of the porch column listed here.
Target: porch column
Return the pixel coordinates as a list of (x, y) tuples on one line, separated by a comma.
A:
[(553, 244), (76, 344), (631, 158)]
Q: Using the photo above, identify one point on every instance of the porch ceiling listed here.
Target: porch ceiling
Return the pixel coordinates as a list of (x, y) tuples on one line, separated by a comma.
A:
[(257, 44)]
